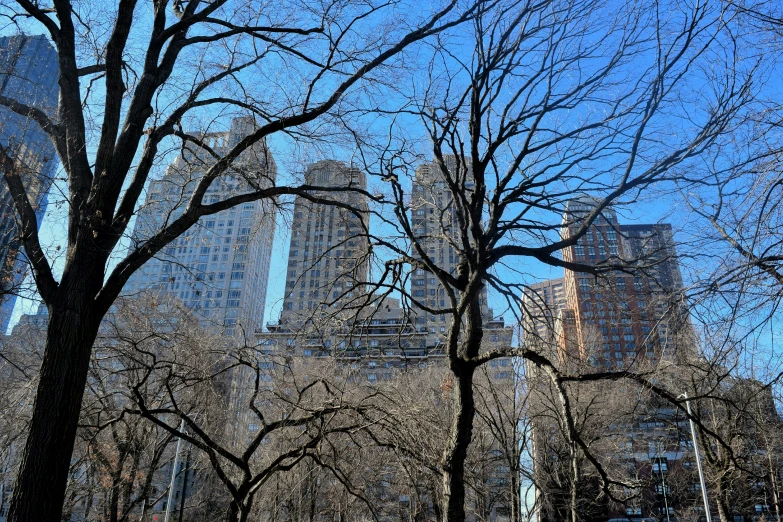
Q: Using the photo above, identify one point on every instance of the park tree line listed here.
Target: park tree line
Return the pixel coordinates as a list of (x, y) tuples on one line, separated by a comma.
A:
[(518, 106)]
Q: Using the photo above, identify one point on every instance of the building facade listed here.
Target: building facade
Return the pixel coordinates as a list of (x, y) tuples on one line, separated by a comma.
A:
[(328, 255), (621, 317), (28, 74), (220, 266), (328, 313), (437, 234), (631, 316)]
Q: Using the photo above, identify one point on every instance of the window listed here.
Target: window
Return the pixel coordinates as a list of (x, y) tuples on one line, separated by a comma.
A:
[(500, 362)]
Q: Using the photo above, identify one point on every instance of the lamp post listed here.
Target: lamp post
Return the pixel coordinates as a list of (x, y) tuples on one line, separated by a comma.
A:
[(174, 474), (698, 457)]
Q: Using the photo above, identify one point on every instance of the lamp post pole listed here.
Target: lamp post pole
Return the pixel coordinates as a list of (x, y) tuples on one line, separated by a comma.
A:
[(698, 458), (174, 474)]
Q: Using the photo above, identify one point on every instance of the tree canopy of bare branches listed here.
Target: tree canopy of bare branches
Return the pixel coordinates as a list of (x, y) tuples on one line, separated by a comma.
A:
[(132, 76)]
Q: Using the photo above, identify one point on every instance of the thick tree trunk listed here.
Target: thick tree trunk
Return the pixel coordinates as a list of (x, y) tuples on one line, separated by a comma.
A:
[(456, 451), (114, 506), (40, 488), (232, 513), (239, 511)]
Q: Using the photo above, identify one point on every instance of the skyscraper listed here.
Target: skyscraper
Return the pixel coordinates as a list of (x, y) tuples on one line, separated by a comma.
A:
[(622, 316), (542, 304), (436, 229), (327, 259), (28, 74), (220, 266), (620, 319), (325, 315)]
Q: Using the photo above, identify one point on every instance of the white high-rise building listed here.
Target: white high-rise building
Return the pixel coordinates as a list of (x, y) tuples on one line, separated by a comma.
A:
[(436, 228), (220, 266)]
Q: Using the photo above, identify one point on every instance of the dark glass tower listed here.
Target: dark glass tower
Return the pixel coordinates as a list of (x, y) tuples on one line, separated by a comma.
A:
[(28, 74)]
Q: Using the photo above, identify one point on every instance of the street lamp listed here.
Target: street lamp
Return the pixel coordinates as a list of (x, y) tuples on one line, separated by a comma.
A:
[(698, 457), (174, 474)]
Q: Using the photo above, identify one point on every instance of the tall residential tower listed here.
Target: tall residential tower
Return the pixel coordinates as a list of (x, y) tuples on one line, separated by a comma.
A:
[(436, 228), (327, 259), (28, 74), (220, 266)]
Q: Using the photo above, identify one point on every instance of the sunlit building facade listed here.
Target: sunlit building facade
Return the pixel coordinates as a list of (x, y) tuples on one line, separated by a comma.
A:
[(219, 267), (328, 254)]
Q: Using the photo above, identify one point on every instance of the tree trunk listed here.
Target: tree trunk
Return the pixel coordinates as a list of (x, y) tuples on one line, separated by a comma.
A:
[(574, 501), (456, 450), (232, 513), (516, 495), (724, 509), (114, 506), (775, 498), (43, 476)]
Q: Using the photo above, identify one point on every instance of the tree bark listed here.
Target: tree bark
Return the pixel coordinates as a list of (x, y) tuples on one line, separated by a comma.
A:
[(574, 501), (516, 495), (456, 451), (724, 509), (43, 476), (233, 512)]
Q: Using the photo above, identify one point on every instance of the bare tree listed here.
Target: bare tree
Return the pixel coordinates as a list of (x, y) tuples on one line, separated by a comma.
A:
[(252, 415), (117, 461), (129, 77), (537, 109)]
